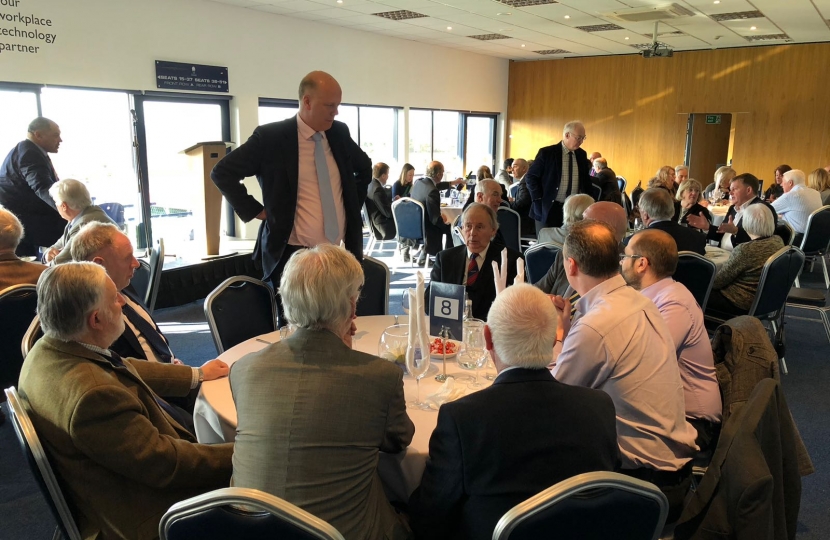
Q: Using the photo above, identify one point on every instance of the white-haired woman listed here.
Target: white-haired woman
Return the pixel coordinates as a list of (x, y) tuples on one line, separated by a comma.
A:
[(75, 206), (572, 211), (737, 281), (690, 195)]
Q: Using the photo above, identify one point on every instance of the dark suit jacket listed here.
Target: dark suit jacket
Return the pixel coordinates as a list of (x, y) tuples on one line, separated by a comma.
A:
[(123, 460), (606, 179), (25, 178), (379, 207), (127, 345), (521, 204), (451, 267), (494, 448), (270, 154), (687, 238), (426, 192), (545, 174), (741, 236)]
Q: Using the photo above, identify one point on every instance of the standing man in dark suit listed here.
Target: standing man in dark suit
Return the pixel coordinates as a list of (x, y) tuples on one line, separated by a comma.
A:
[(657, 209), (497, 447), (313, 178), (471, 265), (558, 171), (25, 178), (425, 191), (521, 200), (379, 203)]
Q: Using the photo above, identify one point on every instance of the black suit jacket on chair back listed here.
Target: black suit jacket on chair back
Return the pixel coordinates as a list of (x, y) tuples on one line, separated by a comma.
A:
[(271, 154), (687, 239), (379, 208), (545, 175)]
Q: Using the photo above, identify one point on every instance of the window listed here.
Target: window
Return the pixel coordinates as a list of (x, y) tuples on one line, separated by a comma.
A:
[(445, 140), (420, 139), (480, 142), (460, 141), (17, 108), (275, 113), (379, 135)]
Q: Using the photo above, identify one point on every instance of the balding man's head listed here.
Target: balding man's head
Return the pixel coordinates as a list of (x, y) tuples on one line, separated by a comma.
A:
[(320, 95), (610, 213), (435, 170), (519, 168), (592, 246)]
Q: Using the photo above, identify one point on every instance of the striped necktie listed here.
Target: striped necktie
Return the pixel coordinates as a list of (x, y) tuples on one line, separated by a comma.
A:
[(573, 299), (472, 270)]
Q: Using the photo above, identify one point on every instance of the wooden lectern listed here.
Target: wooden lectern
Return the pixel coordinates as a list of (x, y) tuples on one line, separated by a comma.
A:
[(203, 156)]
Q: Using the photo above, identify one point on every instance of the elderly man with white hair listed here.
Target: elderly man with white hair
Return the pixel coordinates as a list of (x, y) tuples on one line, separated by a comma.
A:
[(797, 202), (497, 447), (681, 174), (558, 171), (313, 414), (75, 206), (13, 270), (123, 455)]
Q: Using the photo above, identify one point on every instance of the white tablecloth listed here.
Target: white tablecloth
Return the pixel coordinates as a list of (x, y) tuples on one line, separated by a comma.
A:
[(215, 414), (717, 255), (452, 210), (718, 213)]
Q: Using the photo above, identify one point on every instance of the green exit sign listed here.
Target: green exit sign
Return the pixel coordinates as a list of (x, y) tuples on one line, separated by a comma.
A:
[(713, 119)]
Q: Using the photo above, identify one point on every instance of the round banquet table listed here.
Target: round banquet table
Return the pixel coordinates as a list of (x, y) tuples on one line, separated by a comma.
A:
[(215, 413), (717, 255), (718, 213), (452, 209)]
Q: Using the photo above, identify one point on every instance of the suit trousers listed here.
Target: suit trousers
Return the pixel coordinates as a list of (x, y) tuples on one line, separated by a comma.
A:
[(555, 217), (276, 276)]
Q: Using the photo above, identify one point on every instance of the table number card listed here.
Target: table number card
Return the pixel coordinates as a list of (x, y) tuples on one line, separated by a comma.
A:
[(446, 308)]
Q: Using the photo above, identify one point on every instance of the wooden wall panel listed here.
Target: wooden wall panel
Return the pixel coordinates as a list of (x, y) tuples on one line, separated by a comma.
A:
[(635, 110)]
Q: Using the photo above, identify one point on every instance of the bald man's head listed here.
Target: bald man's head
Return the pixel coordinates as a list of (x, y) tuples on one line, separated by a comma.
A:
[(320, 96), (611, 213)]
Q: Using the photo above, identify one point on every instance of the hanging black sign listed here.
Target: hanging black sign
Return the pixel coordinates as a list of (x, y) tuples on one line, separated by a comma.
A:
[(178, 76)]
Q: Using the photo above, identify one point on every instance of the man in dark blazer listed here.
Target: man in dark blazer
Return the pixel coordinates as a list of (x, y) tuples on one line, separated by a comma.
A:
[(743, 191), (521, 200), (479, 226), (606, 179), (379, 203), (297, 192), (657, 209), (425, 191), (495, 448), (25, 178), (558, 171)]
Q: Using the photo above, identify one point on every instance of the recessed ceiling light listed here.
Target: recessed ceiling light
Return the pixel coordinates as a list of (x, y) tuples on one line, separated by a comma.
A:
[(339, 1), (523, 44), (504, 14), (753, 28), (717, 1), (567, 16), (449, 28), (626, 38)]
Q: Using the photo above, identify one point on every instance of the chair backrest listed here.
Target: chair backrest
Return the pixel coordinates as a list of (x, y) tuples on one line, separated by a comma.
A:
[(409, 218), (115, 211), (39, 465), (817, 235), (141, 279), (242, 514), (785, 231), (156, 267), (777, 278), (34, 333), (622, 182), (18, 305), (513, 189), (510, 225), (596, 192), (708, 190), (457, 236), (239, 309), (697, 273), (374, 298), (589, 506), (538, 260)]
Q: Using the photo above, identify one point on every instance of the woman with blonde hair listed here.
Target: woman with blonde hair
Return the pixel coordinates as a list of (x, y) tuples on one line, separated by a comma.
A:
[(690, 195), (665, 182), (723, 177), (666, 175), (819, 180)]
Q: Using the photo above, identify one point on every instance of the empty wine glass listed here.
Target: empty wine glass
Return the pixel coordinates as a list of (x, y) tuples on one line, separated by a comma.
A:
[(475, 352), (417, 364), (405, 301)]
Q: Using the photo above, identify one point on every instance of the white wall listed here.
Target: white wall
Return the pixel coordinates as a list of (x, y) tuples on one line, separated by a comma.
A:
[(114, 43)]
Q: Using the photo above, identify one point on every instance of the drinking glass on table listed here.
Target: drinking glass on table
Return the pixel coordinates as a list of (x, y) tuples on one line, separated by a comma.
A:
[(474, 354), (405, 301), (417, 364)]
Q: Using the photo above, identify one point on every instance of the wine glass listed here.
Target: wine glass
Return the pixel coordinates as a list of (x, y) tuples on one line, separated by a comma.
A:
[(393, 343), (417, 364), (475, 352), (405, 301)]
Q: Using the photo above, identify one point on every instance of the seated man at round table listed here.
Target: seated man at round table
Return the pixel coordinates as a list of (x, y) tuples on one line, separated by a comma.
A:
[(313, 414), (737, 280), (471, 265)]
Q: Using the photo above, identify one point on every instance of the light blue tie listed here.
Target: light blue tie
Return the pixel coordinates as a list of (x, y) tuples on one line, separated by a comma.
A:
[(326, 196)]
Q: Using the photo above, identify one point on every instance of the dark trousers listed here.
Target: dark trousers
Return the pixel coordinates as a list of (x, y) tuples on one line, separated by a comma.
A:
[(555, 217), (674, 485), (274, 280), (719, 306)]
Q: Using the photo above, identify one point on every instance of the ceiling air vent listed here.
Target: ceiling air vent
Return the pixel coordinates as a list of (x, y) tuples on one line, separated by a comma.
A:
[(400, 15), (737, 16), (526, 3), (489, 37), (650, 14), (599, 27), (769, 37), (644, 46), (553, 51)]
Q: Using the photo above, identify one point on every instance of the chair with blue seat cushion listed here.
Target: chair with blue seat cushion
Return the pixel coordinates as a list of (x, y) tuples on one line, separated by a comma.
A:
[(374, 297), (538, 260), (510, 225), (18, 305), (697, 273), (239, 309)]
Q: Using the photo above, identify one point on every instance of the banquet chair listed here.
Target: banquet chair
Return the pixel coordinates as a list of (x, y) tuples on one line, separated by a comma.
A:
[(34, 333), (596, 192), (154, 279), (538, 260), (239, 309), (241, 514), (622, 183), (140, 281), (376, 240), (18, 305), (510, 225), (589, 506), (512, 190), (813, 300), (785, 231), (409, 218), (817, 240), (374, 297), (708, 190), (697, 273), (38, 463)]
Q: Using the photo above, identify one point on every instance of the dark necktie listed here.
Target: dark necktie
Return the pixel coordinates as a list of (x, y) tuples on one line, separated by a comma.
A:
[(472, 270), (148, 330), (570, 173)]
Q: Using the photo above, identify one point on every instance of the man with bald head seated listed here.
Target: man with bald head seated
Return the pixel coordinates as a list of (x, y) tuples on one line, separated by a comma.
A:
[(13, 270), (649, 266), (471, 265), (313, 178), (555, 281)]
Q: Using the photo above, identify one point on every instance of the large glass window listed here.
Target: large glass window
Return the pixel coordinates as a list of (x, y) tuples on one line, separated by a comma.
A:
[(379, 136), (17, 108), (479, 142), (275, 113), (445, 140), (420, 139)]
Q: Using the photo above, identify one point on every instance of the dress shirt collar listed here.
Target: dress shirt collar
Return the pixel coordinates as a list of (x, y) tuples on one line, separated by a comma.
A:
[(94, 348), (306, 132), (584, 304), (744, 206), (565, 149), (657, 221), (656, 288), (482, 254)]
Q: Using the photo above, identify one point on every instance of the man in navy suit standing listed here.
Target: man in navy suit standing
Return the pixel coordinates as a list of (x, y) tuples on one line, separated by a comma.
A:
[(558, 171), (25, 178), (313, 178)]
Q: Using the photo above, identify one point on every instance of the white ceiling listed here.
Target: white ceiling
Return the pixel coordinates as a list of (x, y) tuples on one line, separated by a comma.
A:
[(553, 26)]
